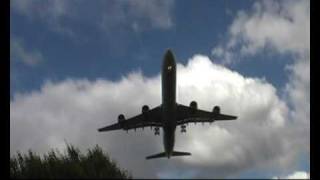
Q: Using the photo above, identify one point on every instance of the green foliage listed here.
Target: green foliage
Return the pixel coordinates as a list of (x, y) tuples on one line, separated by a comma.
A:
[(73, 164)]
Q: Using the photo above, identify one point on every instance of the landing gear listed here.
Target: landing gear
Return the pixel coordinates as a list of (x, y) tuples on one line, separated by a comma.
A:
[(183, 129), (156, 131)]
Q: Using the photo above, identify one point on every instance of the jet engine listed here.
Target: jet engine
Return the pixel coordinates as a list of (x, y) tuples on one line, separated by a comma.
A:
[(145, 109), (121, 118), (156, 131), (216, 110), (193, 106)]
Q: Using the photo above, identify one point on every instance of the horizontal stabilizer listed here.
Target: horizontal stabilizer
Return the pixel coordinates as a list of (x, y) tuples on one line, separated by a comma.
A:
[(160, 155), (177, 153), (174, 153)]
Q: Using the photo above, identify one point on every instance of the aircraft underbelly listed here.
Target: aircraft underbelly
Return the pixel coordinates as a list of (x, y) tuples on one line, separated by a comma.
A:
[(168, 139), (169, 103)]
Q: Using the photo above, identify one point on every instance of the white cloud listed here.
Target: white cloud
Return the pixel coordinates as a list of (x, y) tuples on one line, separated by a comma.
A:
[(74, 109), (296, 175), (283, 26), (286, 26), (298, 90), (19, 53)]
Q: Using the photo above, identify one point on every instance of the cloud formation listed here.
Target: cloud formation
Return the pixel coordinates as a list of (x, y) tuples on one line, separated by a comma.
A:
[(19, 53), (72, 110), (283, 26), (52, 13), (61, 16), (116, 23)]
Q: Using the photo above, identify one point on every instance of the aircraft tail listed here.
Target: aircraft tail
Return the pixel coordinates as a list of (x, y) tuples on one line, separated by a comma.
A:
[(163, 154)]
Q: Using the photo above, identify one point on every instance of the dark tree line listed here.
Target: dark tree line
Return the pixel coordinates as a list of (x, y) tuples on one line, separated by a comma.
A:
[(73, 164)]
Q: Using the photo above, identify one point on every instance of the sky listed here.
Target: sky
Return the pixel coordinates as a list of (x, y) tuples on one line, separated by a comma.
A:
[(76, 65)]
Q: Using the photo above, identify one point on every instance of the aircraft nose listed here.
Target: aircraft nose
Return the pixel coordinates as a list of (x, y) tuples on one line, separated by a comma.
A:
[(169, 58)]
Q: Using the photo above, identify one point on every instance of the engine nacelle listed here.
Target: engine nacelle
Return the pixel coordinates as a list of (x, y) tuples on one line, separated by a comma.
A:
[(194, 105), (145, 109), (121, 118), (216, 110)]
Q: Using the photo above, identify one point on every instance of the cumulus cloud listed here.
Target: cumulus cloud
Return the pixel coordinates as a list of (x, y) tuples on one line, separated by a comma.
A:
[(281, 26), (19, 53), (285, 25), (72, 110), (285, 28)]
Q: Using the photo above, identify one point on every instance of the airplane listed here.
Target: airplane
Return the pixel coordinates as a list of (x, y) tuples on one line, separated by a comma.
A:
[(169, 114)]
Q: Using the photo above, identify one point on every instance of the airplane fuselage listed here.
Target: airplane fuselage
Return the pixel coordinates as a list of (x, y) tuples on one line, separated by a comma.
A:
[(169, 102), (169, 114)]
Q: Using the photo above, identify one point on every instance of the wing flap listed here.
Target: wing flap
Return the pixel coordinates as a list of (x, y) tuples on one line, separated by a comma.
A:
[(189, 115), (150, 118), (218, 117), (110, 128)]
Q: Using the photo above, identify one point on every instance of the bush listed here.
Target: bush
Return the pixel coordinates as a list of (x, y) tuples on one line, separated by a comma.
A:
[(73, 164)]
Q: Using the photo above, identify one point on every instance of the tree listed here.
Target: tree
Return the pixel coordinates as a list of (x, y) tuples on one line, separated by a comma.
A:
[(73, 164)]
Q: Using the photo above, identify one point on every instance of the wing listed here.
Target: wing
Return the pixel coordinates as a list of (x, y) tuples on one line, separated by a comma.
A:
[(150, 118), (187, 114)]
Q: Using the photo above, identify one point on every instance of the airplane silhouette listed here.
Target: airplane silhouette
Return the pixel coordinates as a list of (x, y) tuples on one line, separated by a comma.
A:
[(169, 114)]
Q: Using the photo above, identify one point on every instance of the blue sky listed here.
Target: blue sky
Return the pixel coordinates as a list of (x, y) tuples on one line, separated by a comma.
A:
[(56, 41), (89, 54)]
